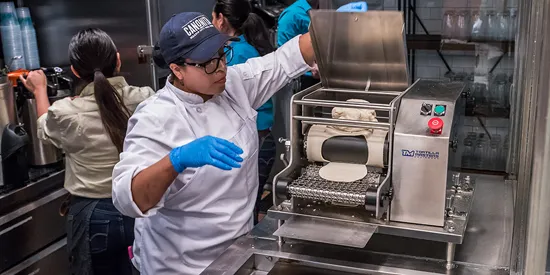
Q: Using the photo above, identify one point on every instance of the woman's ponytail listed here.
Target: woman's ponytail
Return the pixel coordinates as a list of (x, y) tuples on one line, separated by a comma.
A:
[(257, 34), (94, 57), (114, 114), (241, 18)]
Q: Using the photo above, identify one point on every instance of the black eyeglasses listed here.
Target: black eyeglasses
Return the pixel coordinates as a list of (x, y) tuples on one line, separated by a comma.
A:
[(212, 65)]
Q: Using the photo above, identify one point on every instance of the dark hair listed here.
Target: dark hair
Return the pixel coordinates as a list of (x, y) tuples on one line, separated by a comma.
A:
[(239, 14), (93, 55), (314, 4)]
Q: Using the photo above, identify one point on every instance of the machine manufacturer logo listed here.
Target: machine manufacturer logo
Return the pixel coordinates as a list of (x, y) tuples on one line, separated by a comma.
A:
[(419, 154)]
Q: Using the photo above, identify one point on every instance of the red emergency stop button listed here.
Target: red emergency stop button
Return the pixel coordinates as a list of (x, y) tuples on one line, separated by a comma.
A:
[(436, 125)]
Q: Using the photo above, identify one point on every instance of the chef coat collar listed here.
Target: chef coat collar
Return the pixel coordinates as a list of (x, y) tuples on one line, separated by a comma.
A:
[(118, 82), (185, 96)]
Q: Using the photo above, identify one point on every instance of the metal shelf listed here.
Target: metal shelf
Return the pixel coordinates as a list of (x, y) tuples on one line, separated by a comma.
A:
[(435, 42)]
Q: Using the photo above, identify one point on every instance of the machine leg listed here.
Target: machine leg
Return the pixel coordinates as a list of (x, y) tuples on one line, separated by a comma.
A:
[(450, 255), (280, 240)]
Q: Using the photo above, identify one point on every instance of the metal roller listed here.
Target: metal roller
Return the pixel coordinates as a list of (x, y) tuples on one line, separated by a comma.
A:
[(323, 146)]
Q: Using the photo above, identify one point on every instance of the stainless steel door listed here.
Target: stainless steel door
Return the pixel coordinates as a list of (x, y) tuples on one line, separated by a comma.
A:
[(56, 21), (167, 8)]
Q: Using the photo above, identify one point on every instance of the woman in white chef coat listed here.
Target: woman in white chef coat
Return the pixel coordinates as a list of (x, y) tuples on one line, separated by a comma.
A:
[(203, 119)]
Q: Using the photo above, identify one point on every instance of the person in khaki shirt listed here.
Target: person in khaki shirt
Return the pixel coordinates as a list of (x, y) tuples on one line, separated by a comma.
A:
[(90, 129)]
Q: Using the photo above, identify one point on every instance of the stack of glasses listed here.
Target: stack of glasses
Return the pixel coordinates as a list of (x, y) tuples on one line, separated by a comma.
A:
[(12, 42), (495, 96), (483, 152), (485, 25), (30, 46)]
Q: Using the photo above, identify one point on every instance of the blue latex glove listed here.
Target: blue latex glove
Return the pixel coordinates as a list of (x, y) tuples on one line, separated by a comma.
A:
[(354, 7), (206, 150)]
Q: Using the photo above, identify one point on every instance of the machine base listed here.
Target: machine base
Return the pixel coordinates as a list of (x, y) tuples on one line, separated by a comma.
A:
[(348, 218), (484, 251)]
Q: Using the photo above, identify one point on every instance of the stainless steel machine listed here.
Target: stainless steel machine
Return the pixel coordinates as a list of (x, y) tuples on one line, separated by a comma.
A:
[(412, 187)]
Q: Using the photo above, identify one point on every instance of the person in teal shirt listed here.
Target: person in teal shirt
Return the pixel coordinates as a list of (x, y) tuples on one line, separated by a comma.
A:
[(294, 21), (241, 52), (235, 18)]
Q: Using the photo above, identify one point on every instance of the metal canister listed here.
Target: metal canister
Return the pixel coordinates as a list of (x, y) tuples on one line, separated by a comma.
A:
[(7, 103), (40, 153)]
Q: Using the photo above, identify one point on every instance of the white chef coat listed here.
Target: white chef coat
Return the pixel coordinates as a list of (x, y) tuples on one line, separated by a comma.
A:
[(205, 209)]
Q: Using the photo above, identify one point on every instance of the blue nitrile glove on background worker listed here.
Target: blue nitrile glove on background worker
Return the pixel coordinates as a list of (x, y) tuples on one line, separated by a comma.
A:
[(354, 7), (206, 150)]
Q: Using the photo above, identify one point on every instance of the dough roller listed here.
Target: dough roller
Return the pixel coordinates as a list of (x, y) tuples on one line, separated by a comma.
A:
[(413, 187)]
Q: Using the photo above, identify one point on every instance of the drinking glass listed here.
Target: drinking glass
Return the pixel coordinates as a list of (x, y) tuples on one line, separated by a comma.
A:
[(499, 90), (477, 26), (494, 153), (492, 25), (503, 19), (480, 93), (480, 151), (449, 24), (468, 154), (463, 25)]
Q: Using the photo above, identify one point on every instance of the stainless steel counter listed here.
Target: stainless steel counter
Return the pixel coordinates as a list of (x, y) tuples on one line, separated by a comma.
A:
[(485, 250), (30, 192), (32, 232)]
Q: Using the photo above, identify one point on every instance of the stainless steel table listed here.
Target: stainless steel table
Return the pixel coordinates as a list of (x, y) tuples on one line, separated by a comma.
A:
[(32, 233), (485, 250)]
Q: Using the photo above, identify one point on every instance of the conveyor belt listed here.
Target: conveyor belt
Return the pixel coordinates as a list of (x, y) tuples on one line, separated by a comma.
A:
[(311, 186)]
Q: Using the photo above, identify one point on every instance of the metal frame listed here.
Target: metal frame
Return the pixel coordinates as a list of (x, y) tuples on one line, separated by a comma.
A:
[(391, 108), (531, 139), (411, 17), (153, 30)]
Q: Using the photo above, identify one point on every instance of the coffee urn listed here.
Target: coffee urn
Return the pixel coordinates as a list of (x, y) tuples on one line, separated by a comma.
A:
[(14, 170), (42, 154)]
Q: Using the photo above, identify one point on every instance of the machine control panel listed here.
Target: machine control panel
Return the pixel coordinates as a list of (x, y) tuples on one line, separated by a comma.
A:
[(426, 109)]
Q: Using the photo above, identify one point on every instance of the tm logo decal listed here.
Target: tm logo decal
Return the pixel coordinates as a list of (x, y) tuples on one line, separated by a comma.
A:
[(419, 154)]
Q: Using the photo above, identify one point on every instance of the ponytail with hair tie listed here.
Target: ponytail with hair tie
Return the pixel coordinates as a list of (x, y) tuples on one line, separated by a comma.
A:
[(256, 34), (94, 57), (240, 16)]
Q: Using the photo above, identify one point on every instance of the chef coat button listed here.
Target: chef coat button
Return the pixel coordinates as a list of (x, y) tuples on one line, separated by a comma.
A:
[(199, 109)]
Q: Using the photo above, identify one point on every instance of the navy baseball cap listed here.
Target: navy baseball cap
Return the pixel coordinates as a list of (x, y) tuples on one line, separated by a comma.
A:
[(190, 35)]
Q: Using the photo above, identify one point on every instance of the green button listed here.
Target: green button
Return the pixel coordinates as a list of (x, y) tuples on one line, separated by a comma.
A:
[(439, 109)]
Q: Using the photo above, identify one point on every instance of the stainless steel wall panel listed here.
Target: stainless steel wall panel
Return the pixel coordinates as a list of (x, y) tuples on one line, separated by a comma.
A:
[(56, 21)]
